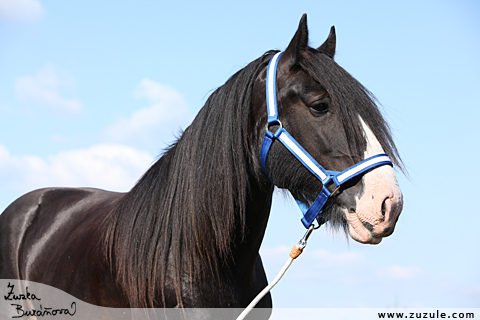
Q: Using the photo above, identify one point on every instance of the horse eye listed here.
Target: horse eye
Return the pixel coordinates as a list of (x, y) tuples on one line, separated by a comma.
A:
[(319, 107)]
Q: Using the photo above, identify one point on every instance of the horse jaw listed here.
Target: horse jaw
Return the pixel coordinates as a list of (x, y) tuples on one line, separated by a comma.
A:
[(380, 204)]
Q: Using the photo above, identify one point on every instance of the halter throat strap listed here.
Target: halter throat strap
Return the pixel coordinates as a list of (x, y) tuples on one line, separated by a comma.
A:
[(312, 212)]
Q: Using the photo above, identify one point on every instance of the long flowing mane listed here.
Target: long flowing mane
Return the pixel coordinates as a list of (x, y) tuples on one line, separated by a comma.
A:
[(190, 204)]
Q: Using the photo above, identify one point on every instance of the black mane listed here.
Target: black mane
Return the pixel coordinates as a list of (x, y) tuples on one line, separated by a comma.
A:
[(184, 201)]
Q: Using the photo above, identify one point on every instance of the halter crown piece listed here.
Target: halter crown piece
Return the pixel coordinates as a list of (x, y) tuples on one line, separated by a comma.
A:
[(325, 176)]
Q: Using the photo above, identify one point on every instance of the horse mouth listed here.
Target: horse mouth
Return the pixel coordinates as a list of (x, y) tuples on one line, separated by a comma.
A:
[(361, 231)]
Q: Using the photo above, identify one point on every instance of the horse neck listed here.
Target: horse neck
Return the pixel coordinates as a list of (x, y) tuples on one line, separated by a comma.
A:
[(250, 237)]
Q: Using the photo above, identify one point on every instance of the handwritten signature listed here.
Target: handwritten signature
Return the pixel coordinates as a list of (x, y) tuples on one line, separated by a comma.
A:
[(40, 311), (23, 296)]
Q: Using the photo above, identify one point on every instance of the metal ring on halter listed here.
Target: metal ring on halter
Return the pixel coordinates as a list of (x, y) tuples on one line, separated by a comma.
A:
[(316, 227), (273, 123)]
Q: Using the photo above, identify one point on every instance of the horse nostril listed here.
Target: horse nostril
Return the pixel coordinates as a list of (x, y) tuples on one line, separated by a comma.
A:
[(384, 208)]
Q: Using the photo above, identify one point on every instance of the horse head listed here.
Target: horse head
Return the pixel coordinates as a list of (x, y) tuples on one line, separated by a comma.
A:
[(337, 122)]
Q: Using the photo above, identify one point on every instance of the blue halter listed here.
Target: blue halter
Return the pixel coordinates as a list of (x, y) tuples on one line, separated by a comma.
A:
[(325, 176)]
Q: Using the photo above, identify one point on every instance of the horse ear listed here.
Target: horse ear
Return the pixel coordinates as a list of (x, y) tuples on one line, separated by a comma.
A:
[(298, 44), (328, 47)]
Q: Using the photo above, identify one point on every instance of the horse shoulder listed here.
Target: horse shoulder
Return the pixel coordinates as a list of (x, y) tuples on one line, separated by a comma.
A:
[(14, 223), (55, 229)]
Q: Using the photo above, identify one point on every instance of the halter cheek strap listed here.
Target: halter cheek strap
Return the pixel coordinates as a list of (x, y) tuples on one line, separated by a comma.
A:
[(312, 212)]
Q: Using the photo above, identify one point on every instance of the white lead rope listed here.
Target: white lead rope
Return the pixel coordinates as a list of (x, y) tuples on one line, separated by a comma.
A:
[(296, 251), (265, 290)]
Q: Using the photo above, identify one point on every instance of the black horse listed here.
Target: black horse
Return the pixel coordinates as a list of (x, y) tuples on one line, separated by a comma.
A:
[(189, 232)]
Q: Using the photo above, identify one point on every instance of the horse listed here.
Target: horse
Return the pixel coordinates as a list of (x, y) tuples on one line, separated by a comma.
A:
[(188, 233)]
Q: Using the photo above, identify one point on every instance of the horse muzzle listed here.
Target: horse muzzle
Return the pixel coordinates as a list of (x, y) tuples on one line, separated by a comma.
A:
[(378, 208)]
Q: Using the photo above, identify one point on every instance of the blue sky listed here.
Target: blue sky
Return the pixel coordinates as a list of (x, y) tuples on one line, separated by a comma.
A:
[(91, 92)]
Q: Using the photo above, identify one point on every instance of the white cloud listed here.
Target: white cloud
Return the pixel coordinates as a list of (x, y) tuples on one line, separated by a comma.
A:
[(165, 114), (400, 272), (472, 290), (277, 253), (21, 10), (341, 267), (343, 279), (107, 166), (46, 89), (329, 259), (318, 257), (347, 267)]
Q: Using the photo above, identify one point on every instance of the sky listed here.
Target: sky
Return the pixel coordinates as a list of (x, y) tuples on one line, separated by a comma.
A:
[(91, 92)]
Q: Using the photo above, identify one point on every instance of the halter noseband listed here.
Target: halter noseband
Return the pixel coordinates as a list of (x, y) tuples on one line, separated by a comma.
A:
[(325, 176)]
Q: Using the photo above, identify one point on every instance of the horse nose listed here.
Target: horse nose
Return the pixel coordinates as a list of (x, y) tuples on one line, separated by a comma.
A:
[(378, 207), (390, 209)]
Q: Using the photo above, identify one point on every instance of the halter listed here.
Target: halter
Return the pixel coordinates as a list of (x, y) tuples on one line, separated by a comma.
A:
[(325, 176)]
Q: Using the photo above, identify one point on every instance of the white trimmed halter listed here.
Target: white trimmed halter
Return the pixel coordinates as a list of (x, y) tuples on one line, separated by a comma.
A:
[(325, 176)]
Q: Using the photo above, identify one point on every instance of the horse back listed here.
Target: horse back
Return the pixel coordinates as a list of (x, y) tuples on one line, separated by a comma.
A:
[(54, 236)]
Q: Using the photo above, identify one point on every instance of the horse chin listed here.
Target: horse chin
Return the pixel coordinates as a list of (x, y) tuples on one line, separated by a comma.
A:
[(358, 231)]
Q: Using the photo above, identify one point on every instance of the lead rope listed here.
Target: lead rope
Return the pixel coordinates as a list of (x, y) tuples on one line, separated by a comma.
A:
[(296, 251)]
